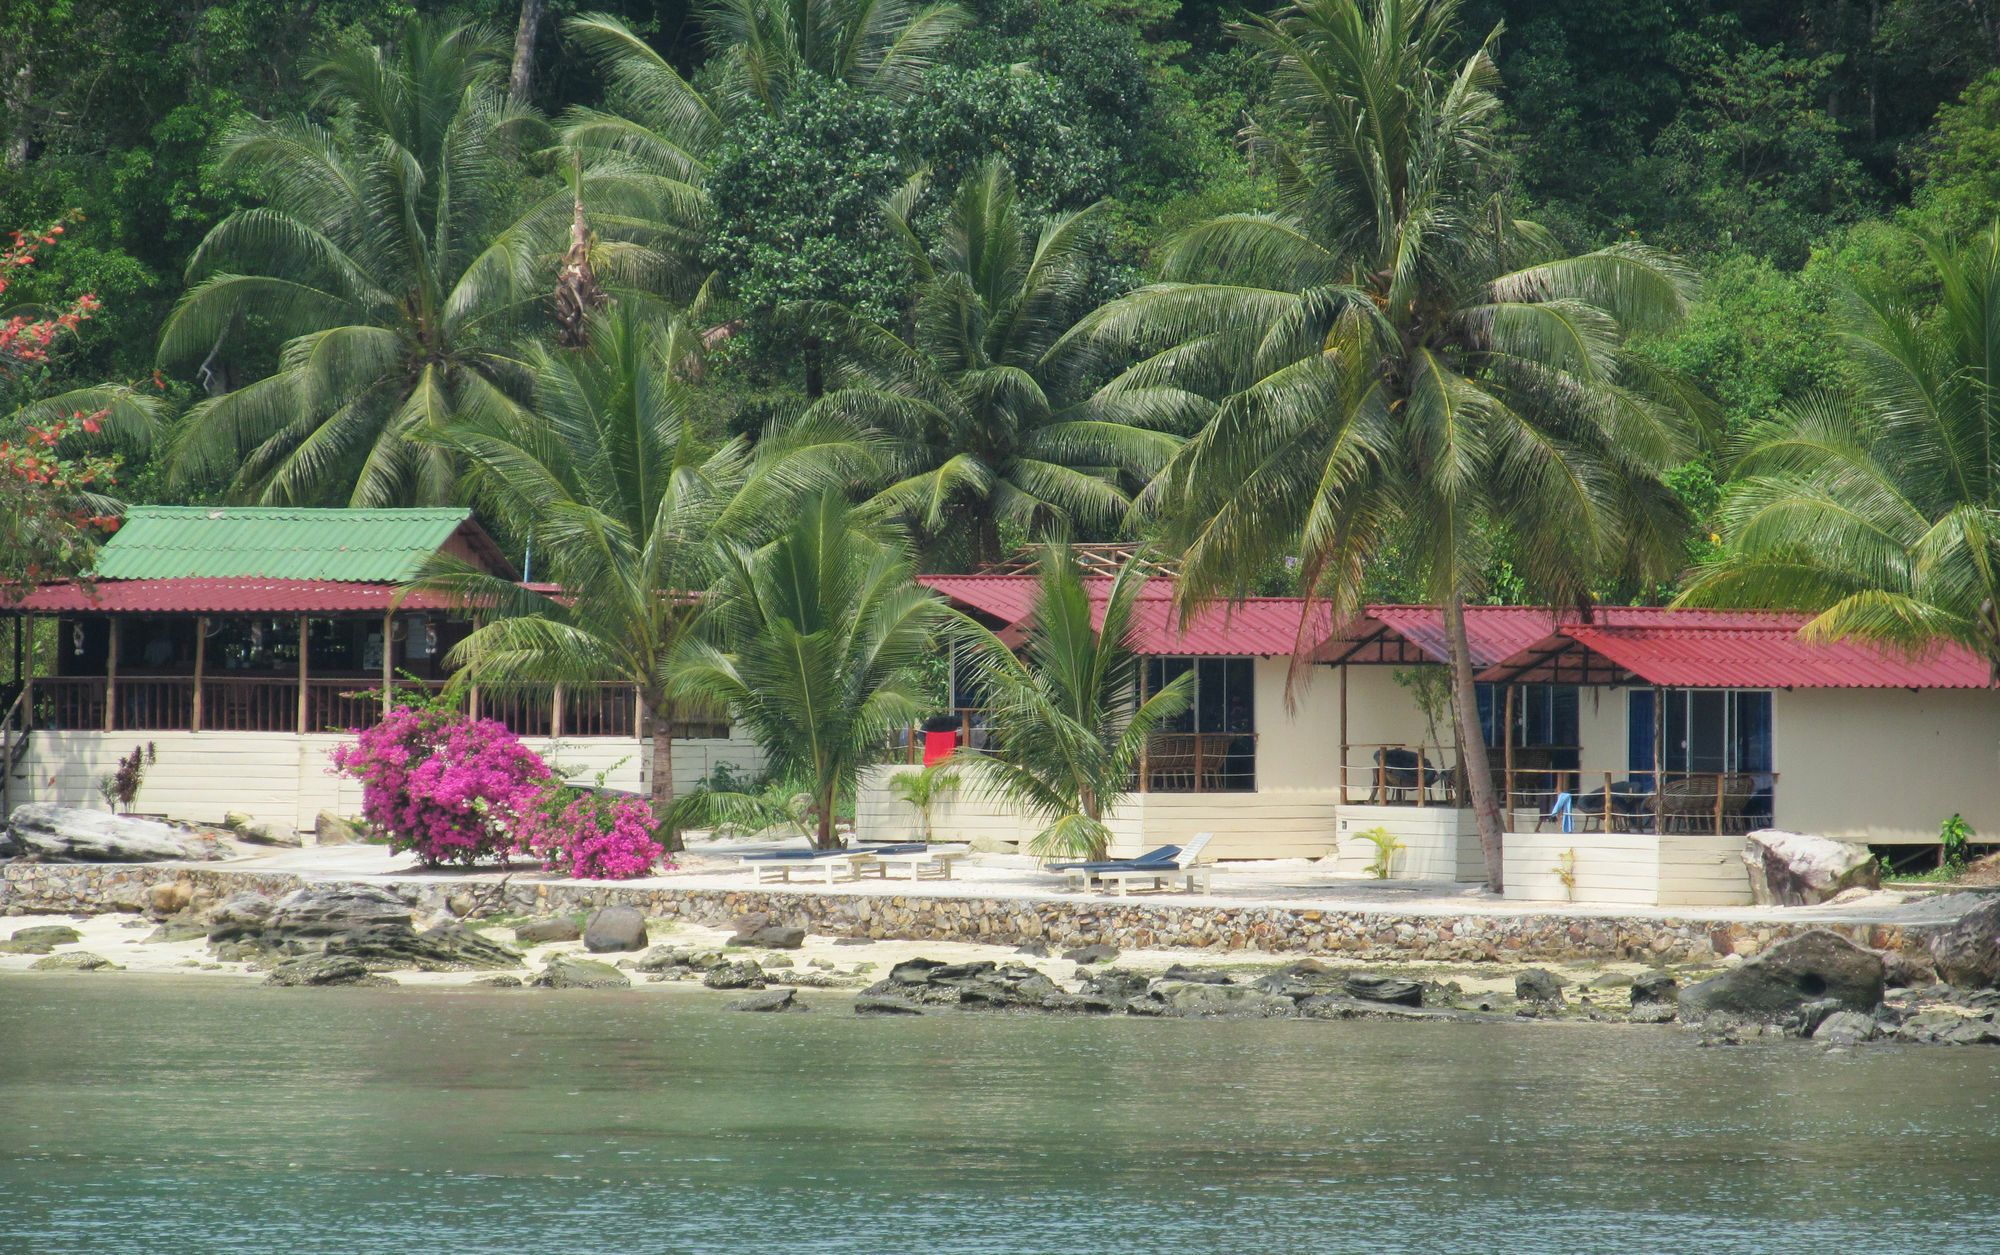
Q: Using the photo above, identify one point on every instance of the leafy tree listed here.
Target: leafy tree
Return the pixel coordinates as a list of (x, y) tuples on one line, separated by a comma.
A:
[(1879, 506), (390, 259), (1958, 169), (983, 433), (818, 636), (628, 513), (1068, 736), (1393, 355)]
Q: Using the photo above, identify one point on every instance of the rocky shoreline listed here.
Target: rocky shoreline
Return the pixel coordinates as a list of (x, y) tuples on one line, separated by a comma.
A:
[(1818, 984)]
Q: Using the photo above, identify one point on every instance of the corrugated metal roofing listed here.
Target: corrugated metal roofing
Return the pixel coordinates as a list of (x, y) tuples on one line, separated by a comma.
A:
[(1264, 626), (1769, 654), (1491, 632), (222, 596), (279, 543)]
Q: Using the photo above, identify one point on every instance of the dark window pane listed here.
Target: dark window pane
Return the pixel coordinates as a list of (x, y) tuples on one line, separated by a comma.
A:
[(1211, 698), (1753, 731), (1488, 698), (1241, 714), (1639, 735), (1707, 730)]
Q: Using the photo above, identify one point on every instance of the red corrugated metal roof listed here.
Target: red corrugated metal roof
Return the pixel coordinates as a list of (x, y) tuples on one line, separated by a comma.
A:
[(1492, 632), (1768, 653), (1263, 626), (216, 595)]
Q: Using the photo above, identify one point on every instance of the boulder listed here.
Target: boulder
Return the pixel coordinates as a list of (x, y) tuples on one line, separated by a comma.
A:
[(1199, 975), (170, 898), (612, 929), (1653, 1012), (1098, 952), (772, 937), (1777, 983), (870, 1004), (1196, 1000), (1115, 983), (177, 930), (325, 969), (48, 935), (768, 1000), (1929, 1028), (743, 975), (59, 834), (1846, 1028), (1035, 949), (14, 945), (1967, 953), (1656, 987), (569, 972), (1800, 869), (1538, 984), (1384, 989), (74, 961), (319, 911), (542, 931), (1812, 1015), (659, 959), (749, 922), (238, 915), (371, 924), (331, 829), (257, 832), (500, 981), (1903, 971)]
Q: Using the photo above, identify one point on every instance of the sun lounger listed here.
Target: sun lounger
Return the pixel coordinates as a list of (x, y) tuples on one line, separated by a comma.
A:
[(1184, 867), (924, 863), (1151, 858), (823, 865)]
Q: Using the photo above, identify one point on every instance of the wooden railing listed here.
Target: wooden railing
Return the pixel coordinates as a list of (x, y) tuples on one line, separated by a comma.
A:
[(238, 703), (1399, 775), (1697, 802), (1200, 762)]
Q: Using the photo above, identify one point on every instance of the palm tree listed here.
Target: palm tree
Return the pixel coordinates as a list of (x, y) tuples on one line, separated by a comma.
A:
[(1068, 730), (1393, 353), (973, 400), (391, 260), (628, 514), (921, 790), (1880, 508), (818, 637)]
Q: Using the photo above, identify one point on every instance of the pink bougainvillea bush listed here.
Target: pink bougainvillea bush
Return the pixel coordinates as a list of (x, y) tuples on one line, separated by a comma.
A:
[(593, 835), (449, 788)]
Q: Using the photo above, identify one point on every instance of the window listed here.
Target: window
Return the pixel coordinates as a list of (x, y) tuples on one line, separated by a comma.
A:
[(1224, 698), (1545, 717), (1707, 730)]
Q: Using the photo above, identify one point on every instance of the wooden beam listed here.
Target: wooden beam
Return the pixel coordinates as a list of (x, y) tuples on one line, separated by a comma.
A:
[(388, 662), (300, 727), (1343, 735), (200, 665), (111, 674)]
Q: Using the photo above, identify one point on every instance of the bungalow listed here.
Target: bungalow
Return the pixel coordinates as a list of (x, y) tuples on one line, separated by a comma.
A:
[(1631, 750), (243, 643)]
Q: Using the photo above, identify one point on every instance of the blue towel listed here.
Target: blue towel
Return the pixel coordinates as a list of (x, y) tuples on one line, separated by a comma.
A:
[(1561, 810)]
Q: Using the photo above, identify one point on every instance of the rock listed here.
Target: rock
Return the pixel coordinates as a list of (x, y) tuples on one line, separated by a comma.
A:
[(985, 843), (48, 935), (1538, 984), (1903, 971), (1115, 983), (1085, 1004), (1812, 1015), (772, 937), (1610, 980), (1967, 953), (374, 925), (1653, 1012), (177, 930), (1846, 1028), (1799, 869), (238, 915), (331, 829), (132, 898), (325, 969), (170, 898), (1035, 949), (74, 961), (17, 946), (768, 1000), (460, 904), (1779, 981), (1010, 987), (775, 961), (319, 911), (237, 821), (1931, 1028), (743, 975), (239, 951), (1384, 989), (658, 959), (1655, 987), (611, 929), (1196, 1000), (918, 971), (257, 833), (870, 1004), (541, 931), (500, 981), (1199, 975), (749, 922), (49, 833), (569, 972), (853, 941), (1098, 952)]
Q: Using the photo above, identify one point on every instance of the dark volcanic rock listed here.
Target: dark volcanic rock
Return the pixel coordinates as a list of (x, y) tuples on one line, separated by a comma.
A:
[(1847, 1028), (374, 925), (1774, 985), (1653, 1012), (239, 915), (772, 937), (1967, 953), (542, 931), (59, 834), (1384, 989), (872, 1004), (768, 1000), (324, 969), (614, 928), (1203, 1001), (743, 975), (1115, 983), (1539, 985), (1654, 987), (500, 981), (1036, 949), (1097, 952), (1199, 975), (178, 930)]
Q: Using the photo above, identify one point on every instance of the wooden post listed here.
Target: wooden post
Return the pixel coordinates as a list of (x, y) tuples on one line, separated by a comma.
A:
[(556, 713), (638, 714), (28, 670), (388, 662), (200, 664), (1423, 770), (111, 676), (1607, 799), (1198, 738), (1343, 734), (1507, 756), (1721, 776), (301, 726), (1659, 760)]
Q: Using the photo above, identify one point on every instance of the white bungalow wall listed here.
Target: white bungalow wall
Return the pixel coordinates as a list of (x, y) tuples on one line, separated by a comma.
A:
[(283, 780)]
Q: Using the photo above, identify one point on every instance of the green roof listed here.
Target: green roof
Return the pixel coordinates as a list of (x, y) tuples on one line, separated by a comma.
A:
[(275, 542)]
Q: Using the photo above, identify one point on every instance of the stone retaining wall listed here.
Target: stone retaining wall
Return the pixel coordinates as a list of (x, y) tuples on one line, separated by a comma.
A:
[(39, 888)]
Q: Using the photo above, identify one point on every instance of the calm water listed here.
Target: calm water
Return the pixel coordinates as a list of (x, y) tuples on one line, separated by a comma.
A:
[(140, 1114)]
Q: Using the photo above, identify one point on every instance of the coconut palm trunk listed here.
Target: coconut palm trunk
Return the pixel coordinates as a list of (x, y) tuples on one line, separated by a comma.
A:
[(663, 772), (1472, 742)]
